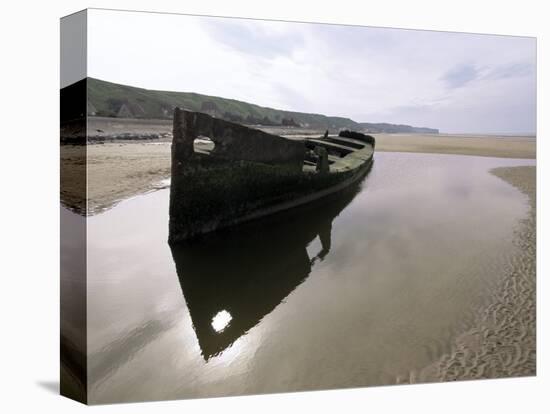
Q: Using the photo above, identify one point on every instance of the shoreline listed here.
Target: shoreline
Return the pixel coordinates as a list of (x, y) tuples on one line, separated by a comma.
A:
[(502, 343), (119, 170)]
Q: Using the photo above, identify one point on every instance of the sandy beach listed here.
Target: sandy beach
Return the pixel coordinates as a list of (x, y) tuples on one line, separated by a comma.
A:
[(480, 145), (120, 170), (115, 171)]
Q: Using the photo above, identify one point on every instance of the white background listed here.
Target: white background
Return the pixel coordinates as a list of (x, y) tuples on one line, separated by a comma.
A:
[(29, 221)]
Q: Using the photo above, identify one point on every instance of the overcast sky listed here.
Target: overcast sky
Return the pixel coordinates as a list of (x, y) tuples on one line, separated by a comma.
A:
[(452, 81)]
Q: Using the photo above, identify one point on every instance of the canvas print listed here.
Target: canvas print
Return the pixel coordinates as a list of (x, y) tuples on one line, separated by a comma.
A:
[(254, 206)]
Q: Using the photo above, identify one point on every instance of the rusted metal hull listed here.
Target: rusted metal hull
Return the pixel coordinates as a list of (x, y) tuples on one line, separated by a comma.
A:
[(250, 174)]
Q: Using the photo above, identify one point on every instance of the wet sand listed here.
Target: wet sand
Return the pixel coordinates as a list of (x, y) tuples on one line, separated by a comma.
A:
[(115, 172), (503, 341), (120, 171)]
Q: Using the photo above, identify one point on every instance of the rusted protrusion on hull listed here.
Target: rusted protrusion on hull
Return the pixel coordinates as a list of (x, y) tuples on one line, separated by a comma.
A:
[(322, 165), (369, 139), (183, 138)]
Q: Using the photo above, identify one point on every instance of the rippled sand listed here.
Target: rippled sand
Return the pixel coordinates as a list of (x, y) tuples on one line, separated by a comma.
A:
[(503, 342)]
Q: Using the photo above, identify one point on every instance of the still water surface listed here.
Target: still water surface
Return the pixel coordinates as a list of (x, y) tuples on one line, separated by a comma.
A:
[(362, 290)]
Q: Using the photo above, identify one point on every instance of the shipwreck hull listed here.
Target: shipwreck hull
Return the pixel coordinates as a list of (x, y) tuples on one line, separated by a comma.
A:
[(249, 174)]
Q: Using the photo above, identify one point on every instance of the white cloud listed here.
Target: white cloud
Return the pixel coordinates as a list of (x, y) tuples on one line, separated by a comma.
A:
[(452, 81)]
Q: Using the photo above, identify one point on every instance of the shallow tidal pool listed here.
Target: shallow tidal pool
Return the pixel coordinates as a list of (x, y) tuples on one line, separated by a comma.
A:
[(364, 289)]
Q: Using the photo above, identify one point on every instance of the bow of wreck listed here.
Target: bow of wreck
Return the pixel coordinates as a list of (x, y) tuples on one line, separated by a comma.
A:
[(225, 173)]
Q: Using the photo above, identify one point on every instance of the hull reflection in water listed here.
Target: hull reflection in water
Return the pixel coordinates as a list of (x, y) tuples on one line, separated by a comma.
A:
[(232, 279)]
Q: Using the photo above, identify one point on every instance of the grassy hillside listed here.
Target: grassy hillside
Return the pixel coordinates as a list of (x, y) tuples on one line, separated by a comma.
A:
[(115, 100), (395, 129)]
